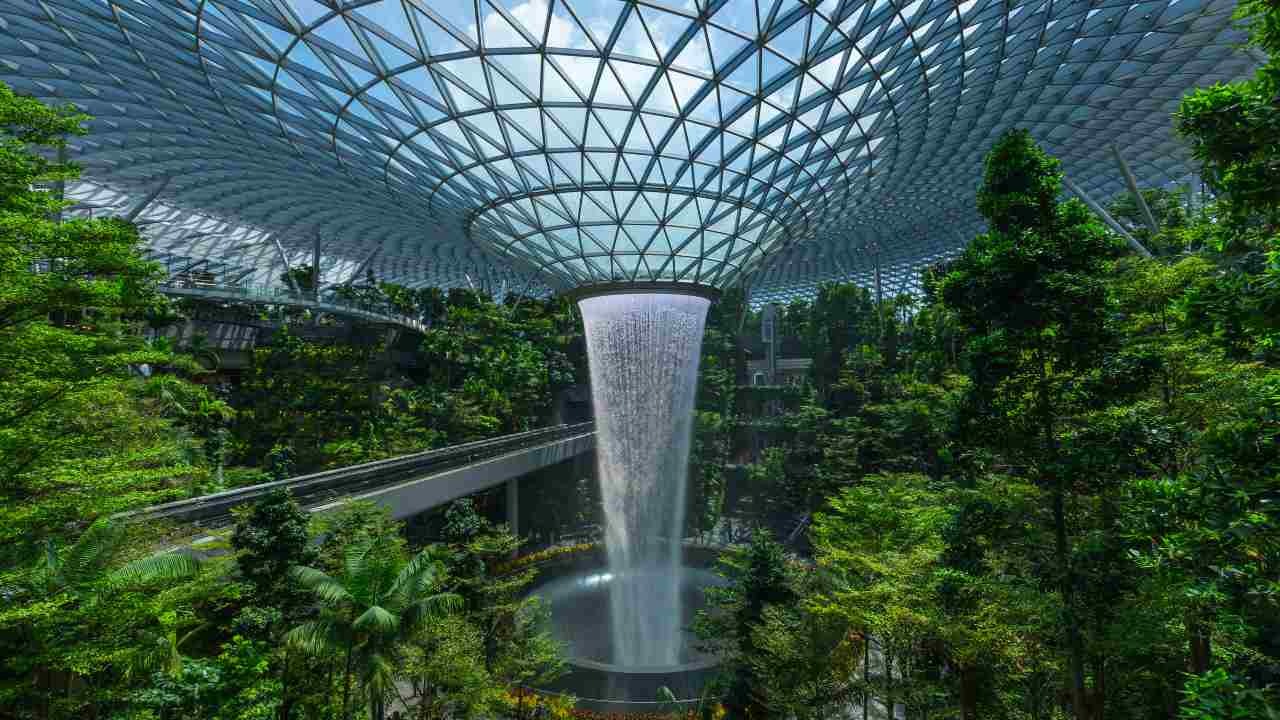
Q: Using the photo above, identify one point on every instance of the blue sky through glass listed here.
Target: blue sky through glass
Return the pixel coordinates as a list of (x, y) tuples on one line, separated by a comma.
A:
[(776, 143)]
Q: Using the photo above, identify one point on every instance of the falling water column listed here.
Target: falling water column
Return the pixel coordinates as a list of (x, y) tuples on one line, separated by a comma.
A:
[(643, 350)]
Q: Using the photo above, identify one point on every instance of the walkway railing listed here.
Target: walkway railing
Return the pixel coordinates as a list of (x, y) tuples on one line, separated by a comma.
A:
[(322, 488), (284, 296)]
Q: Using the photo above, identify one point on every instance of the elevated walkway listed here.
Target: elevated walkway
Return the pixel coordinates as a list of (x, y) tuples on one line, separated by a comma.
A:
[(282, 296), (408, 485)]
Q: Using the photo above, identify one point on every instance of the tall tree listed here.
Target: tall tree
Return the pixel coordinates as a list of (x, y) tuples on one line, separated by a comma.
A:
[(758, 577), (1030, 296)]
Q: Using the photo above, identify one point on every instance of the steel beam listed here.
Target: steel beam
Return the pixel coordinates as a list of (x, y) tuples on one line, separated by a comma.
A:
[(288, 269), (315, 266), (1106, 217), (192, 266), (1133, 188), (137, 209), (360, 267)]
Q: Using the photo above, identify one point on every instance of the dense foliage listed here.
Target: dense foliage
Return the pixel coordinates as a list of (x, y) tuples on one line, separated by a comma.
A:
[(1048, 487), (1052, 488), (293, 617)]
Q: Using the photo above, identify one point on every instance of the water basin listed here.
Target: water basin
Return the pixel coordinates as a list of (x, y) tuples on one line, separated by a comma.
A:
[(581, 618)]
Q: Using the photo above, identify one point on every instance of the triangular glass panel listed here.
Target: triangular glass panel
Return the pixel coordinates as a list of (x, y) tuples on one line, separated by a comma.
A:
[(634, 77), (581, 70), (533, 19), (746, 75), (391, 56), (572, 119), (590, 174), (772, 65), (740, 17), (662, 97), (498, 33), (527, 119), (486, 123), (642, 212), (517, 138), (634, 39), (506, 92), (609, 90), (604, 163), (638, 140), (605, 200), (462, 100), (707, 111), (596, 135), (696, 132), (695, 55), (790, 43), (783, 97), (852, 97), (657, 125), (724, 45), (554, 87)]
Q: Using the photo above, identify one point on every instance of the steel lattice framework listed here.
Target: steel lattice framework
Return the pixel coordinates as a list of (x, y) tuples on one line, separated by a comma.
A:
[(552, 144)]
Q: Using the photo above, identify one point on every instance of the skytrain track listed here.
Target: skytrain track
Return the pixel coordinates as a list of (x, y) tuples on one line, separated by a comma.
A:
[(319, 489)]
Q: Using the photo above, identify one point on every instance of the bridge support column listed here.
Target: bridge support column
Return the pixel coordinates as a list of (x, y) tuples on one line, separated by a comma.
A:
[(513, 506)]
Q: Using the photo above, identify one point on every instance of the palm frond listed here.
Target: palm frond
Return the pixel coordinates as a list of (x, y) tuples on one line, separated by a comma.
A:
[(355, 559), (326, 589), (432, 607), (419, 573), (92, 551), (315, 637), (377, 619), (48, 571), (379, 674), (166, 567)]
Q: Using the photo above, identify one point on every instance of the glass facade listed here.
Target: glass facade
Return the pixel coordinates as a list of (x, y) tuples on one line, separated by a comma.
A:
[(550, 144)]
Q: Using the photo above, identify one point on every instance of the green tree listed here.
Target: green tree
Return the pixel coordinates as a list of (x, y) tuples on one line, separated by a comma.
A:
[(758, 577), (307, 394), (270, 539), (1030, 296), (446, 667), (1216, 695), (72, 297), (368, 612), (1234, 131)]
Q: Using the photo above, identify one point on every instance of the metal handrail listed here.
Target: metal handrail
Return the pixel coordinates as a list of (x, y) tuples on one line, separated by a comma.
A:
[(284, 296), (324, 486)]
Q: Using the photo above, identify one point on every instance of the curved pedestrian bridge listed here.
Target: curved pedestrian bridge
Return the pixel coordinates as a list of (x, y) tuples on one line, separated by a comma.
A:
[(408, 485), (290, 298)]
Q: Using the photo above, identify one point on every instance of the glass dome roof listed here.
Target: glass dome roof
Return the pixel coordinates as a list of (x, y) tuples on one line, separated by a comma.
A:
[(560, 143)]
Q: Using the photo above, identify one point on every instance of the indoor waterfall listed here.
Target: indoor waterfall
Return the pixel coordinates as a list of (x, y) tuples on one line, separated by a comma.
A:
[(643, 351)]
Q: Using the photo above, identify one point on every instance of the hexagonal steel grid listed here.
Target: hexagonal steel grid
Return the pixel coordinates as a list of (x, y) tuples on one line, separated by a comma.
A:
[(550, 144)]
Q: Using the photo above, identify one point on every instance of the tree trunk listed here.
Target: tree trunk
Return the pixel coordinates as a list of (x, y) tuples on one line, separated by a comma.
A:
[(286, 704), (968, 693), (887, 661), (346, 685), (1199, 641), (1062, 548), (866, 675), (1100, 688), (1075, 644)]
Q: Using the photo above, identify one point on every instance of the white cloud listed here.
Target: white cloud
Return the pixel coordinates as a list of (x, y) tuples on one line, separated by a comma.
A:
[(532, 16)]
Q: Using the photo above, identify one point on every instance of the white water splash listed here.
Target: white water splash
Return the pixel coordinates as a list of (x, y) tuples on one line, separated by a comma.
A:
[(643, 350)]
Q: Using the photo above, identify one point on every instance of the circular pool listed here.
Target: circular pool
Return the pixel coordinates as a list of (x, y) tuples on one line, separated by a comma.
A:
[(581, 619)]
